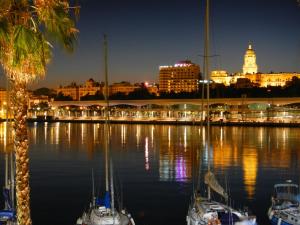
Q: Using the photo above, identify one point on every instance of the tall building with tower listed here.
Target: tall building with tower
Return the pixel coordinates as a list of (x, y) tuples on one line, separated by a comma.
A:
[(250, 73), (250, 66)]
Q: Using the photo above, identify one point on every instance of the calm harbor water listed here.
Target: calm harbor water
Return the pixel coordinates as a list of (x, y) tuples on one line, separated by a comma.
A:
[(154, 167)]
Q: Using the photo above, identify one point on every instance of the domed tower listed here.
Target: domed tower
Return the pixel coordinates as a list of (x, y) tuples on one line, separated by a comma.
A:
[(250, 65)]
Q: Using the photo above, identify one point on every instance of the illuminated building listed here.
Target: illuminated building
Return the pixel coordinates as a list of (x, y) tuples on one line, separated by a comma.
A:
[(263, 79), (90, 88), (221, 77), (71, 90), (152, 88), (250, 72), (122, 87), (182, 77), (35, 100), (250, 66), (76, 92), (271, 79)]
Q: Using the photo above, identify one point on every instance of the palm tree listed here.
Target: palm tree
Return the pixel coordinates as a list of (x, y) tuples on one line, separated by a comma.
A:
[(26, 28)]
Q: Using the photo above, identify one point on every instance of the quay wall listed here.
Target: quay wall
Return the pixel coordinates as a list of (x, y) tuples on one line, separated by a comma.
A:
[(174, 122)]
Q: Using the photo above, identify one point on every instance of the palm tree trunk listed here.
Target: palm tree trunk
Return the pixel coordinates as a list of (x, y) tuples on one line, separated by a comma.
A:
[(19, 98)]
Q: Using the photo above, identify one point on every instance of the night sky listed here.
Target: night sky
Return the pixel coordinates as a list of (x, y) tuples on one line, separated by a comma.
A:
[(145, 34)]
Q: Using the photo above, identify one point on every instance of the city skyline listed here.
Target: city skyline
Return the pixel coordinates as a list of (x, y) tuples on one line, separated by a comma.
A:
[(143, 36)]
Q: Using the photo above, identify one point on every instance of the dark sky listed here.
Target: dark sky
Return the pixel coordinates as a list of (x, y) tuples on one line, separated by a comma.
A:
[(145, 34)]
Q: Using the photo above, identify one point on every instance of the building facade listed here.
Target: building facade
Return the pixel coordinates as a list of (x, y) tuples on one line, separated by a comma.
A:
[(76, 92), (271, 79), (184, 76), (122, 87), (90, 88), (36, 100), (71, 90), (221, 77)]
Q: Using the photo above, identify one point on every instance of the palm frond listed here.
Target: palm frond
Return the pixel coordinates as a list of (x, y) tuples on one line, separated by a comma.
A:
[(4, 7), (24, 41), (4, 31), (29, 55), (24, 47), (58, 24)]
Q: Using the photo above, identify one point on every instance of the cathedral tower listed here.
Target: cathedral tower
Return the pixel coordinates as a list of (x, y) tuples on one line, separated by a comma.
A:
[(250, 65)]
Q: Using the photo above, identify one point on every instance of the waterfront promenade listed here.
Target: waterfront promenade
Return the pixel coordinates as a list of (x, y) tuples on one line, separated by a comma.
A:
[(232, 111), (227, 111), (173, 122), (167, 102)]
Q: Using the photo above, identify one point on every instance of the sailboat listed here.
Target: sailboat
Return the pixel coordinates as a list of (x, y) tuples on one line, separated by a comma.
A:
[(102, 211), (8, 214), (203, 210), (285, 208)]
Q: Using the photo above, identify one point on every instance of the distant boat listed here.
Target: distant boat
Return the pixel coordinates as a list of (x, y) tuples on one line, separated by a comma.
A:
[(102, 211), (203, 210), (285, 208)]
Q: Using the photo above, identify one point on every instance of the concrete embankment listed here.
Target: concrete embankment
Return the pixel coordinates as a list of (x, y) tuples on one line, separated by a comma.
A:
[(173, 122)]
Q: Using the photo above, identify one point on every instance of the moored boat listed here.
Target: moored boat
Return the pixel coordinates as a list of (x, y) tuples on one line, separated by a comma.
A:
[(102, 211), (285, 209), (204, 210), (8, 214)]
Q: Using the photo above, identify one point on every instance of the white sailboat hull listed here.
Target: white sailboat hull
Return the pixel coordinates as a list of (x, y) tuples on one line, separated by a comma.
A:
[(100, 216), (203, 212), (290, 216), (285, 208)]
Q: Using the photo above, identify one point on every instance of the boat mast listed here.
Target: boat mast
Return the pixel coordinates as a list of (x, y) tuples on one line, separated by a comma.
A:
[(6, 139), (6, 154), (11, 154), (112, 190), (93, 188), (206, 71), (106, 126)]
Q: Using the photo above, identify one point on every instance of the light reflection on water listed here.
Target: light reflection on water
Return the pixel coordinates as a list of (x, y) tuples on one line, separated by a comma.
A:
[(156, 164)]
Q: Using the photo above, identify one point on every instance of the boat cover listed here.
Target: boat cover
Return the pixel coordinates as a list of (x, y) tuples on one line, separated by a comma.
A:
[(212, 182), (6, 194), (8, 214), (298, 198), (104, 201), (228, 218)]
